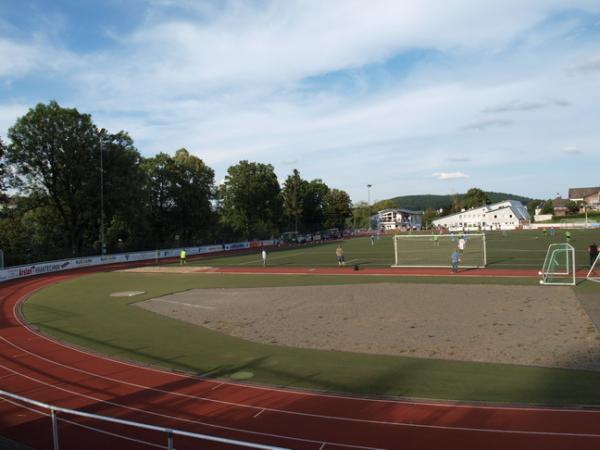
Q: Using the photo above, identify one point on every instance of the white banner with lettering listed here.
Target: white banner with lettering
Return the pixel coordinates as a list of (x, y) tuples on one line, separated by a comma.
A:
[(12, 273)]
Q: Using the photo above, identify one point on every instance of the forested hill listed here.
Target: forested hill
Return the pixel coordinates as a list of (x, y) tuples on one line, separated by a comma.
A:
[(422, 202)]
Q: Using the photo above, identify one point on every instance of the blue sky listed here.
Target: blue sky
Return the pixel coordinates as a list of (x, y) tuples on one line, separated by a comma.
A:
[(410, 97)]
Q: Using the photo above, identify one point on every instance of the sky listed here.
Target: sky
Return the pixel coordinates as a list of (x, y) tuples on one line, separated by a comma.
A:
[(411, 97)]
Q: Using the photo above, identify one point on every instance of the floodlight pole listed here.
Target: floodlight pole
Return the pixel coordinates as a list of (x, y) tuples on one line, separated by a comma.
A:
[(369, 194), (102, 239)]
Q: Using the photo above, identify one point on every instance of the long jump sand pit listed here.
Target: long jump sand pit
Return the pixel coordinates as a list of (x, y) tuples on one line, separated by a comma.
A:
[(508, 324)]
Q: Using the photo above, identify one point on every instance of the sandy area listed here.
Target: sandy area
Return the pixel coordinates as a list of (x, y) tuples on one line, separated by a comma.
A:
[(530, 325)]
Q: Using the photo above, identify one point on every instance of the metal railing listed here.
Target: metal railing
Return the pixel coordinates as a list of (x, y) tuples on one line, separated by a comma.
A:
[(170, 432)]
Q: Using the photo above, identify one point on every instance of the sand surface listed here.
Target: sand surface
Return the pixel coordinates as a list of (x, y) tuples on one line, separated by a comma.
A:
[(530, 325)]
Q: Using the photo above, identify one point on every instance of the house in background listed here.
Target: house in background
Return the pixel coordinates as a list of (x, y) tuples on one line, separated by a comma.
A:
[(589, 196), (506, 215), (398, 219), (579, 194), (592, 201), (560, 206)]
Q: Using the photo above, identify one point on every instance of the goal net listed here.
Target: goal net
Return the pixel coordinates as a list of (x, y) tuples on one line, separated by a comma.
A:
[(594, 273), (435, 250), (559, 265)]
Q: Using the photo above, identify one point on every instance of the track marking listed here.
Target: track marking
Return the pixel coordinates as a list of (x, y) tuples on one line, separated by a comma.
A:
[(87, 427), (258, 413), (283, 411), (189, 421), (217, 386), (403, 424)]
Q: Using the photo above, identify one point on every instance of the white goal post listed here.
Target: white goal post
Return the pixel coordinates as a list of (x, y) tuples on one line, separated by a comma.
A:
[(559, 266), (435, 250), (594, 273)]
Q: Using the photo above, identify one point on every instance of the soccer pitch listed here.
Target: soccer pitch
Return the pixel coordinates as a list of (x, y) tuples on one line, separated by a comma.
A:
[(512, 250)]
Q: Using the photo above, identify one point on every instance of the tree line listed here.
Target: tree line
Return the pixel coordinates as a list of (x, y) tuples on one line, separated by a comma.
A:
[(66, 186)]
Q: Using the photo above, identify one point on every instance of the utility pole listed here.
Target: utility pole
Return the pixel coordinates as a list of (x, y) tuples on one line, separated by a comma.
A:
[(369, 194)]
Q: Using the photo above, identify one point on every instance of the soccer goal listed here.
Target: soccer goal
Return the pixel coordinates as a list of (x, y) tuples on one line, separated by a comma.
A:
[(559, 266), (435, 250), (594, 273)]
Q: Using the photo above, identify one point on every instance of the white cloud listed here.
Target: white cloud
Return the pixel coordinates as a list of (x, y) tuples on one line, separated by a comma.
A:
[(519, 106), (232, 85), (449, 175), (286, 41), (572, 150), (482, 125), (8, 115), (22, 58), (589, 65)]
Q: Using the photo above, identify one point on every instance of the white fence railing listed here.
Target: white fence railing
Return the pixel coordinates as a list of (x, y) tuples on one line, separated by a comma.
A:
[(28, 270), (170, 433)]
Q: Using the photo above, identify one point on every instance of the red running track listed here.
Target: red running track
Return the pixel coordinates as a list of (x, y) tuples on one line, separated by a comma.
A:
[(37, 367)]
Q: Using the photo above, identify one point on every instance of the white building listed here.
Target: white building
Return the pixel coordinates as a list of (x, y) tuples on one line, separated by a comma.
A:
[(506, 215), (398, 219)]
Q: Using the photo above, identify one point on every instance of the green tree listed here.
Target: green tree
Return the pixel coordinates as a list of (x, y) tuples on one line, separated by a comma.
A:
[(533, 205), (457, 204), (30, 231), (54, 152), (572, 207), (293, 193), (250, 199), (159, 175), (384, 204), (193, 189), (124, 195), (429, 216), (474, 198), (337, 208), (361, 215), (3, 181), (313, 215), (548, 207)]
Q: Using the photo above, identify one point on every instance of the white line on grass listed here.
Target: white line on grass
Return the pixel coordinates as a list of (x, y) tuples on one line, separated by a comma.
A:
[(182, 303)]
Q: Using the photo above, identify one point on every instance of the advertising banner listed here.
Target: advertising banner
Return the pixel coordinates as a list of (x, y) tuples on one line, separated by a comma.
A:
[(89, 261)]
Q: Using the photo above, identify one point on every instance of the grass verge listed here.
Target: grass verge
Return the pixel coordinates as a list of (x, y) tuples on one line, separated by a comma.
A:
[(81, 311)]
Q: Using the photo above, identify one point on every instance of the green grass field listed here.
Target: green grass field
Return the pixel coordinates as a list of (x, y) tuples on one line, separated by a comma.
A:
[(516, 250), (81, 312)]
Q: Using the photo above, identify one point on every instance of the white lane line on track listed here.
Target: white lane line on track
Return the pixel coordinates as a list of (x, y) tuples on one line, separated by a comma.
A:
[(417, 402), (319, 416), (189, 421), (258, 413), (216, 387), (87, 427)]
